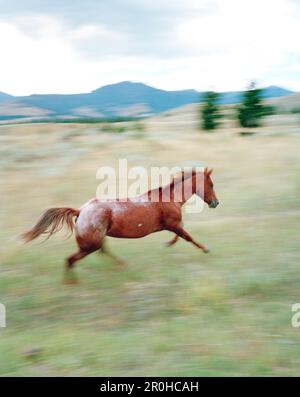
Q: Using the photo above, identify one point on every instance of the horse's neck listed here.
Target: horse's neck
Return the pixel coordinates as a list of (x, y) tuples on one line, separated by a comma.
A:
[(188, 189), (181, 192)]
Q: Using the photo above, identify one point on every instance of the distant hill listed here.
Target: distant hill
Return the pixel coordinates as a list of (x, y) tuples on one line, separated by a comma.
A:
[(126, 99), (4, 97), (112, 100), (232, 97), (288, 103), (275, 92)]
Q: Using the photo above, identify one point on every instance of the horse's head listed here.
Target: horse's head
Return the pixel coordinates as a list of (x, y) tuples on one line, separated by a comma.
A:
[(209, 195)]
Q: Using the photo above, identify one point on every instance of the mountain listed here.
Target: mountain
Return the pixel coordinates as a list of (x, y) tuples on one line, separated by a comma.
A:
[(112, 100), (275, 92), (232, 97), (4, 96), (121, 99)]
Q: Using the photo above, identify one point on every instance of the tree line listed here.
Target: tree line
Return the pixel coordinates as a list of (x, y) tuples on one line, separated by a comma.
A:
[(249, 112)]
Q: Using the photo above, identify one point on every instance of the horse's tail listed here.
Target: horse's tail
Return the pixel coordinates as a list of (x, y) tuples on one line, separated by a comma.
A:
[(51, 222)]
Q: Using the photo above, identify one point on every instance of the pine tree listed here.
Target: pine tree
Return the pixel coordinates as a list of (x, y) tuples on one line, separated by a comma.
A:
[(210, 111), (251, 110)]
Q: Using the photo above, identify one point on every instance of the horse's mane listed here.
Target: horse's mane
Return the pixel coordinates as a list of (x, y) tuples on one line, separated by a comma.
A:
[(180, 177)]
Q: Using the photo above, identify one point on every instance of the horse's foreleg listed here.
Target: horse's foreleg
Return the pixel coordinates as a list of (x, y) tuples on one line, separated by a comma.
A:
[(173, 241), (185, 235), (117, 260)]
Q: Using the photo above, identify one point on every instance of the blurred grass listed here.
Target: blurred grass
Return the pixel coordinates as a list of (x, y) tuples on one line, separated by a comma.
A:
[(173, 311)]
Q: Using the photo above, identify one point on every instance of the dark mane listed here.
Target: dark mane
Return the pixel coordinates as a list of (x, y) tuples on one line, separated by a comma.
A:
[(181, 177), (177, 178)]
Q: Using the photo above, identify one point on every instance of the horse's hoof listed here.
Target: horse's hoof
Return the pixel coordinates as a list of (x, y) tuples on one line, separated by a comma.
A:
[(70, 279), (206, 250), (70, 282), (122, 263)]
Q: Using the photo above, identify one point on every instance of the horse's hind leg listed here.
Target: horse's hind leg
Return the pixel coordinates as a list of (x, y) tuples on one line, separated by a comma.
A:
[(90, 230), (106, 251), (70, 278)]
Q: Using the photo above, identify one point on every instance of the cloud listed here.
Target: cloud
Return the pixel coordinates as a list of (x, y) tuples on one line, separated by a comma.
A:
[(71, 46)]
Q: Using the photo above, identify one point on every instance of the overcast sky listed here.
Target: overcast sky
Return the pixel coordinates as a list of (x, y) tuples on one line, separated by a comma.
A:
[(69, 46)]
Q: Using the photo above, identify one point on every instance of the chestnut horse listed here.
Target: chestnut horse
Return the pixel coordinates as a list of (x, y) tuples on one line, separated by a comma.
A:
[(134, 218)]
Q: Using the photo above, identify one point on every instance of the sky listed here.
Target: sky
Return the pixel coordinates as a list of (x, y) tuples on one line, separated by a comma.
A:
[(72, 46)]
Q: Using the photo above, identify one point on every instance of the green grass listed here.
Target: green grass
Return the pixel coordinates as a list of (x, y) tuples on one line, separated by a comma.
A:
[(173, 311)]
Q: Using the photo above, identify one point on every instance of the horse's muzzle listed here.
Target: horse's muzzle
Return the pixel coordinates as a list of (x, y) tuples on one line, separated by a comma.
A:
[(214, 204)]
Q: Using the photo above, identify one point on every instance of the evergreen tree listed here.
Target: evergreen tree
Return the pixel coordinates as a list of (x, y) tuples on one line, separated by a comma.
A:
[(210, 111), (251, 110)]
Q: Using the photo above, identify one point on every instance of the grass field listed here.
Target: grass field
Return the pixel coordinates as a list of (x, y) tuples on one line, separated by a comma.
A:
[(173, 311)]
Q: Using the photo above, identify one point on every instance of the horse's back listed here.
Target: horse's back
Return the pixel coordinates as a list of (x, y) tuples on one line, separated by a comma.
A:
[(134, 219), (117, 218)]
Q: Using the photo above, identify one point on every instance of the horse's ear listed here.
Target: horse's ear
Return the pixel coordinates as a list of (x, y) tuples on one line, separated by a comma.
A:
[(205, 170), (210, 172)]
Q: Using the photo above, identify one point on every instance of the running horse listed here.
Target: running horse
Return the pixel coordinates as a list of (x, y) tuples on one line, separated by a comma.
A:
[(131, 218)]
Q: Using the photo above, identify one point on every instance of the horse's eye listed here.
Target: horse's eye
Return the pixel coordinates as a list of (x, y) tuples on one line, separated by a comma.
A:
[(211, 185)]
